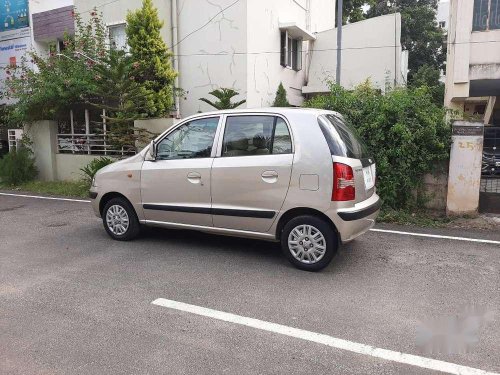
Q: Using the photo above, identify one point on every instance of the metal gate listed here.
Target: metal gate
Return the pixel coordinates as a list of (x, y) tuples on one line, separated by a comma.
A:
[(489, 193)]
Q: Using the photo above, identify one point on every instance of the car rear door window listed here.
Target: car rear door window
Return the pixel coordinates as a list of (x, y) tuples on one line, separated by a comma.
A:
[(256, 135), (341, 138)]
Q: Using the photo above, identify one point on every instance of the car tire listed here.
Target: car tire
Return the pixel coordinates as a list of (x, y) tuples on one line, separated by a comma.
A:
[(311, 239), (120, 220)]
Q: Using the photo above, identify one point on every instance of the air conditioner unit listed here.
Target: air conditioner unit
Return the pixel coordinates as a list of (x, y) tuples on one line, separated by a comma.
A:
[(15, 136)]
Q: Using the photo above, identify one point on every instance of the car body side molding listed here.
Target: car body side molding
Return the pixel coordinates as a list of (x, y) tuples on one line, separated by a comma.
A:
[(212, 211)]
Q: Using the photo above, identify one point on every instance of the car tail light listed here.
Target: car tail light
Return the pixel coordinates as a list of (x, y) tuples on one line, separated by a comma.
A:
[(343, 183)]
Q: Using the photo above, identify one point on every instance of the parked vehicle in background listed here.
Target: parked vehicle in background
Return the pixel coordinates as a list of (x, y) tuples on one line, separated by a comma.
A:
[(4, 147), (298, 176)]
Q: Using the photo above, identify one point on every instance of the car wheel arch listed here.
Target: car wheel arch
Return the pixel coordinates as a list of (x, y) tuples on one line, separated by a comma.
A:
[(300, 211), (108, 196)]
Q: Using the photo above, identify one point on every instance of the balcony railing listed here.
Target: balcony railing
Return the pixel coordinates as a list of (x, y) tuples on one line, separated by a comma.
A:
[(91, 144)]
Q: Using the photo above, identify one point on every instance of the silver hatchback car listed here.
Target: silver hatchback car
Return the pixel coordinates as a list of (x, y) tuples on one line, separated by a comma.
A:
[(298, 176)]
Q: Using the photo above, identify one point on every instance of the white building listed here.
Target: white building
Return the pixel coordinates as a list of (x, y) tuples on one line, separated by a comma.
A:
[(443, 14), (473, 61), (371, 49), (253, 45)]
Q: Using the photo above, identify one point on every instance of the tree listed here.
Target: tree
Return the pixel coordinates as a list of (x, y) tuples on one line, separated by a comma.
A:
[(121, 97), (46, 87), (429, 76), (354, 10), (420, 33), (152, 58), (224, 95), (280, 100)]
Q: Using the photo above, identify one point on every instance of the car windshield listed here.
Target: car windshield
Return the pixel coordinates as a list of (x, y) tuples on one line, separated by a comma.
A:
[(341, 138)]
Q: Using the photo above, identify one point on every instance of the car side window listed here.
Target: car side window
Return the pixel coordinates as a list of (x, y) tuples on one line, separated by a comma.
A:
[(255, 135), (191, 140), (282, 141)]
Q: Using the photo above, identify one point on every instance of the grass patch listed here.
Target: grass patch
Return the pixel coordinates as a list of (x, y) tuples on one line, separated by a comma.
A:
[(62, 188), (417, 218)]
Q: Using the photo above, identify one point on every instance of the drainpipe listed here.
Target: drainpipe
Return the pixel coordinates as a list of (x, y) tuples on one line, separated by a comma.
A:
[(175, 61), (309, 43)]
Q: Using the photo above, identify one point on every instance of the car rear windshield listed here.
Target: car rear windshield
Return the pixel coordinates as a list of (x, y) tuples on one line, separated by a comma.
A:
[(341, 138)]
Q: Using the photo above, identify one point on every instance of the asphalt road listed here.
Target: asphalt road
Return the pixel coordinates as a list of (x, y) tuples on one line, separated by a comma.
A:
[(72, 301)]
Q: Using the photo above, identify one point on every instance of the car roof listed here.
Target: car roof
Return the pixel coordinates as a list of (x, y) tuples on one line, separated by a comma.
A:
[(285, 111)]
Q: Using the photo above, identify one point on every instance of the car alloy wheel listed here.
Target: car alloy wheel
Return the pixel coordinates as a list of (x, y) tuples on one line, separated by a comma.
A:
[(117, 220), (307, 244)]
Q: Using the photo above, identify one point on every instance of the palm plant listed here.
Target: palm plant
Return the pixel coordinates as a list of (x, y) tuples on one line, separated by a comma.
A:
[(224, 95)]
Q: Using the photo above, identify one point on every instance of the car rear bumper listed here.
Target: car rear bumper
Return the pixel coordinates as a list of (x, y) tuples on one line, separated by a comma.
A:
[(353, 222)]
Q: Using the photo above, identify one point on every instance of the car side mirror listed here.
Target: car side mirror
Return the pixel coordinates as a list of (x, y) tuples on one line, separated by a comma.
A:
[(152, 150)]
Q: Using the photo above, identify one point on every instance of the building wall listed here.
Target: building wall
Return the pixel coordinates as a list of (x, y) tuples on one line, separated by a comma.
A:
[(472, 56), (366, 54), (214, 56), (116, 12), (264, 71), (238, 49), (443, 14)]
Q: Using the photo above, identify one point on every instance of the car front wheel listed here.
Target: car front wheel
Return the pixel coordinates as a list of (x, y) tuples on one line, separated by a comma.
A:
[(119, 220), (309, 242)]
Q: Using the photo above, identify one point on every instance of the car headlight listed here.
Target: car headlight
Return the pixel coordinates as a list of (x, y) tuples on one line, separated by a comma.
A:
[(93, 182)]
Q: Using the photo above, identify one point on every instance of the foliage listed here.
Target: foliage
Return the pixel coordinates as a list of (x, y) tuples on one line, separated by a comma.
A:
[(152, 59), (420, 33), (280, 100), (429, 76), (121, 97), (405, 130), (224, 95), (89, 171), (421, 218), (17, 167), (353, 10), (46, 87)]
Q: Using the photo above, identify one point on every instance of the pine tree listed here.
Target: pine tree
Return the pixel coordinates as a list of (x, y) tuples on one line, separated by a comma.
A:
[(280, 100), (121, 97), (152, 58)]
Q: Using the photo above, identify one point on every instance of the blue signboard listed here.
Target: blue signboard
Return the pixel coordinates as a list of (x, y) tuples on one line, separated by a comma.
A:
[(14, 14)]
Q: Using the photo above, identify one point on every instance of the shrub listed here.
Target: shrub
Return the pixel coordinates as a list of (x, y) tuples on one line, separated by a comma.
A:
[(281, 100), (17, 167), (405, 130), (89, 171)]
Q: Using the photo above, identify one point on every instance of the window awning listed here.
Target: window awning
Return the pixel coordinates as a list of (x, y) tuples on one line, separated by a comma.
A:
[(296, 32)]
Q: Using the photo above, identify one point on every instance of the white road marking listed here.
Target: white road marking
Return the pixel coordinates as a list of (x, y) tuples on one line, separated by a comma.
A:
[(49, 198), (435, 236), (409, 359), (428, 235)]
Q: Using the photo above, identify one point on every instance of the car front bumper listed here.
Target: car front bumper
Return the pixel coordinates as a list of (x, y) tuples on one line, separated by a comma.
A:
[(95, 199)]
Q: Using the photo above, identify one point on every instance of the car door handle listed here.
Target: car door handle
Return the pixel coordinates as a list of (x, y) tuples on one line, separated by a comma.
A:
[(194, 177), (270, 176)]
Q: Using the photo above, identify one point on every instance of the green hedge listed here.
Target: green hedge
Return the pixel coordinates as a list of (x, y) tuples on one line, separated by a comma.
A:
[(17, 167), (405, 130)]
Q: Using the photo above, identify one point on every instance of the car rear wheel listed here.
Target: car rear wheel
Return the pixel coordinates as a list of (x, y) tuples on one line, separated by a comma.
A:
[(119, 220), (309, 242)]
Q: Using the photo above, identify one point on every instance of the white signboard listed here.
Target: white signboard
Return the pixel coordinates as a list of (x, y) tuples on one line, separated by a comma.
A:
[(15, 33), (11, 52)]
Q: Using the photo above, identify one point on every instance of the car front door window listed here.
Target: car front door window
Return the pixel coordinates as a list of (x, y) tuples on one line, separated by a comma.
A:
[(191, 140)]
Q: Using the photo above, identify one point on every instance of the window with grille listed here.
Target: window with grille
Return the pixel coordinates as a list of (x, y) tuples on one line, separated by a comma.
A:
[(118, 37), (486, 15)]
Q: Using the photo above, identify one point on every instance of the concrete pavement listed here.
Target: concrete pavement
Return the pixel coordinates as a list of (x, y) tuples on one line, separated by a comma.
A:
[(72, 301)]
